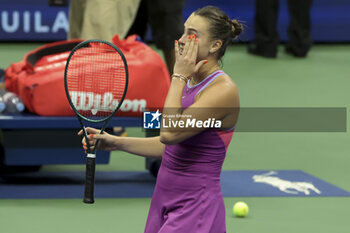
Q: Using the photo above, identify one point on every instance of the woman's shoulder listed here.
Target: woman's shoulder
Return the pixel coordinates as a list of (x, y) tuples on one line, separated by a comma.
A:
[(224, 82), (221, 90)]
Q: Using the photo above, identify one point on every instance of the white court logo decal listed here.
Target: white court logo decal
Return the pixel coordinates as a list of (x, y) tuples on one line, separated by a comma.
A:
[(285, 185)]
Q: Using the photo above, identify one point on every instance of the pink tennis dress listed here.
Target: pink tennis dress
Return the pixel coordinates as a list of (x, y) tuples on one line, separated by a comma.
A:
[(187, 197)]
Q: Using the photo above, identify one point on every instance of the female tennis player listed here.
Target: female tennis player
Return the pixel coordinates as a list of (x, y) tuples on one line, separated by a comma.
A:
[(187, 197)]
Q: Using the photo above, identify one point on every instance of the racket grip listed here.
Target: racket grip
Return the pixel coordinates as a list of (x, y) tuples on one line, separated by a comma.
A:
[(89, 180)]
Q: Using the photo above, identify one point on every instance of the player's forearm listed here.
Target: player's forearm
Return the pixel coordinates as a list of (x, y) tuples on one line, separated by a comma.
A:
[(173, 107), (146, 147)]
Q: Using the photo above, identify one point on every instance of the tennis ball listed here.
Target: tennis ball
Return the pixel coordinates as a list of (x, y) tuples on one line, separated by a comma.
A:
[(240, 209)]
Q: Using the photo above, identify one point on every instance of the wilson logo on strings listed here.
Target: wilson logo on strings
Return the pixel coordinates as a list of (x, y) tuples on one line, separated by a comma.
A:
[(89, 101)]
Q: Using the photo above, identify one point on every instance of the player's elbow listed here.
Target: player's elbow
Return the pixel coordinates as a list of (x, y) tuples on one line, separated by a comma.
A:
[(167, 138)]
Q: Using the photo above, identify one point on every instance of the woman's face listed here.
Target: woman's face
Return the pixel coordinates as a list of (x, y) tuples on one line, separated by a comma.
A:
[(198, 26)]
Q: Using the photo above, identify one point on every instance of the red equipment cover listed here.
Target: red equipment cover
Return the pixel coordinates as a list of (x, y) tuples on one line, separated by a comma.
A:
[(39, 79)]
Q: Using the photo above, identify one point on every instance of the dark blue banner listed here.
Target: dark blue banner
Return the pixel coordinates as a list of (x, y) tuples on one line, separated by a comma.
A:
[(32, 20), (35, 20)]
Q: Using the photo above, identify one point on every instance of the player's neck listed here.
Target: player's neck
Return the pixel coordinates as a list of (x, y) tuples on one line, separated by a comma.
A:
[(205, 71)]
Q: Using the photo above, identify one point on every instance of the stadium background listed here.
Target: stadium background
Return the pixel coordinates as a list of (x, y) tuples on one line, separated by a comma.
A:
[(321, 80)]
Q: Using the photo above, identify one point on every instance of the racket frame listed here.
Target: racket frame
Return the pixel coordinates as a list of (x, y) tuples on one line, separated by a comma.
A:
[(91, 155)]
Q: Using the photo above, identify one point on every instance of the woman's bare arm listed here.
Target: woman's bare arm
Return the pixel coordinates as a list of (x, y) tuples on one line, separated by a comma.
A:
[(146, 147)]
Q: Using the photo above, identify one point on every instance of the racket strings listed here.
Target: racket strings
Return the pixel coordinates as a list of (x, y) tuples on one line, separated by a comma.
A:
[(96, 80)]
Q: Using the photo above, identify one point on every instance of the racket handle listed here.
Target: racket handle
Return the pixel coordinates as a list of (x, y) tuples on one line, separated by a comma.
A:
[(89, 179)]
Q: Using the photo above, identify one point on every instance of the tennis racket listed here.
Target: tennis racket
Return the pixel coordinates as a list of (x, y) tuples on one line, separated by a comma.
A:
[(96, 82)]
